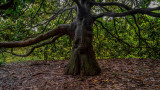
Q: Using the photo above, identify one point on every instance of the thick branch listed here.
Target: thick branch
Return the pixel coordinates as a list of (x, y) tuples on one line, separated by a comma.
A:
[(6, 5), (111, 4), (147, 11), (61, 29), (37, 46)]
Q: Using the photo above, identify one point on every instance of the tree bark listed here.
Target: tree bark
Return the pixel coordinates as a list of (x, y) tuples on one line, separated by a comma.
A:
[(59, 30), (83, 60)]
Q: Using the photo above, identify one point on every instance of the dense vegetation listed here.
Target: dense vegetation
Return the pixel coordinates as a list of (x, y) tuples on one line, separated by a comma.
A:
[(133, 36)]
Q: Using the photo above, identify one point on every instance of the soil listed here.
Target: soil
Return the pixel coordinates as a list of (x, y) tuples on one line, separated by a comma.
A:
[(117, 74)]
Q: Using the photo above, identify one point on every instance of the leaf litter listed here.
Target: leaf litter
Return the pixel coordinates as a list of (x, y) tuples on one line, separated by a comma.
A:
[(123, 74)]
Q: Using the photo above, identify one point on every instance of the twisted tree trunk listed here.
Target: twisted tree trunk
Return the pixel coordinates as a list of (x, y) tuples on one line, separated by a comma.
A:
[(83, 60)]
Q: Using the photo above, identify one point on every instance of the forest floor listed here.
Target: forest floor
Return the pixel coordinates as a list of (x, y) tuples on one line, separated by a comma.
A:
[(119, 74)]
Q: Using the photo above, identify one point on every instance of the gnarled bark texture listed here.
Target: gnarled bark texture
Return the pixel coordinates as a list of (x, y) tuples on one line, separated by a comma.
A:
[(83, 60)]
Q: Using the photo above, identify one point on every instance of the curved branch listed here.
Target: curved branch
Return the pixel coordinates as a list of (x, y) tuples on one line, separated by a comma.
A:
[(38, 9), (120, 40), (111, 4), (68, 16), (97, 29), (37, 46), (52, 17), (61, 29), (147, 11), (6, 5)]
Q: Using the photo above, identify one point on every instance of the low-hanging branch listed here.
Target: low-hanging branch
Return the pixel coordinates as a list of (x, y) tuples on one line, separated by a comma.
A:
[(120, 40), (37, 46), (139, 29), (61, 29)]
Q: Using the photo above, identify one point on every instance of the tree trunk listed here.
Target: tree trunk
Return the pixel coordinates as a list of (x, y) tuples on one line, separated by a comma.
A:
[(83, 60)]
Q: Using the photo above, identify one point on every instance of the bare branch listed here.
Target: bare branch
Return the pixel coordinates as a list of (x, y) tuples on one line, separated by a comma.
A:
[(114, 22), (97, 29), (111, 4), (130, 11), (52, 17), (120, 40), (37, 46), (147, 11), (55, 15), (68, 16), (38, 9), (139, 30), (47, 21), (61, 29)]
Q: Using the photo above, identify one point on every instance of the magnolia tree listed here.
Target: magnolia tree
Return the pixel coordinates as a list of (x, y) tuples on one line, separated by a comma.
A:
[(84, 14)]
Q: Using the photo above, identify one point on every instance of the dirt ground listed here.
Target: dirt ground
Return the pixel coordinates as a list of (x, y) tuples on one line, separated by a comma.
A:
[(117, 74)]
